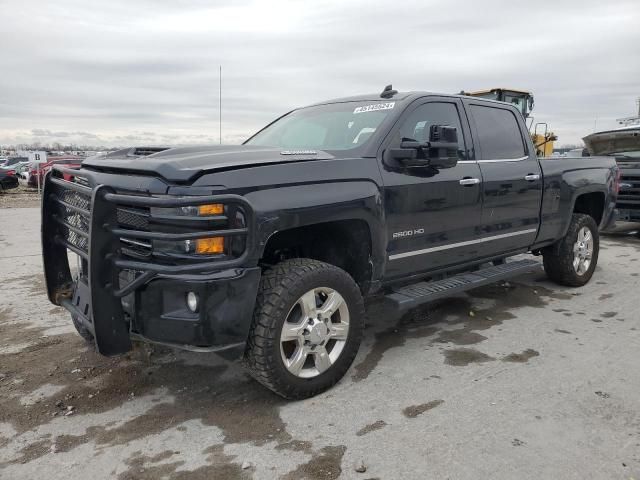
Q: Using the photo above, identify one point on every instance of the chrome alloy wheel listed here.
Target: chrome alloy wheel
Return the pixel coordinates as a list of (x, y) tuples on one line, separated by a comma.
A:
[(314, 333), (583, 251)]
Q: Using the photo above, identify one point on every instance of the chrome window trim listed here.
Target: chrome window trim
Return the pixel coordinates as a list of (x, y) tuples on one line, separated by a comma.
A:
[(496, 161), (439, 248)]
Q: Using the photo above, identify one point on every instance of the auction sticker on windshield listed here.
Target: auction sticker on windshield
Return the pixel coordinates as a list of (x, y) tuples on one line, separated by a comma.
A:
[(375, 107)]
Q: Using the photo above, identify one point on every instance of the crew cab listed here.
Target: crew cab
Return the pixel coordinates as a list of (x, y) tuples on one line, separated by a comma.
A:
[(266, 251)]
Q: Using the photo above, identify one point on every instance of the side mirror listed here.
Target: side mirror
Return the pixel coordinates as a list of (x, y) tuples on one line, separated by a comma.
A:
[(441, 151), (443, 146), (408, 153)]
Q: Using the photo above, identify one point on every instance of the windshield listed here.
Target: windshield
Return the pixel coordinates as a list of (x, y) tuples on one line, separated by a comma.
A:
[(336, 126)]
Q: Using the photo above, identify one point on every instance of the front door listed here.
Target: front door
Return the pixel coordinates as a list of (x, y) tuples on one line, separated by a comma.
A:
[(432, 215), (511, 175)]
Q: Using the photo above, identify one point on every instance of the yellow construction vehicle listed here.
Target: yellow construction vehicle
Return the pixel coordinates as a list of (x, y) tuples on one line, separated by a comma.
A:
[(542, 138)]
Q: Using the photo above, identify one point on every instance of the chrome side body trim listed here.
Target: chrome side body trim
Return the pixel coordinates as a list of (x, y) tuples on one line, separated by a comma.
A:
[(439, 248)]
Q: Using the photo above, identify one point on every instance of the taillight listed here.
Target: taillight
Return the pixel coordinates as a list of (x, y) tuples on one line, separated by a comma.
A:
[(10, 172)]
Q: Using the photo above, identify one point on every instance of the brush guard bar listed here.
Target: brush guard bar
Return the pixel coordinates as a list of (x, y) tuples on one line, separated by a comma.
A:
[(82, 216)]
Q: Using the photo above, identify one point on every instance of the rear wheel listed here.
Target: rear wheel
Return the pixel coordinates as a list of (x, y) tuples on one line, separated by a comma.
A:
[(573, 261), (307, 328)]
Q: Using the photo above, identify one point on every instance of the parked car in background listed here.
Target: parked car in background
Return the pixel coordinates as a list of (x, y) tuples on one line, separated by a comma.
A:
[(18, 167), (37, 170), (624, 145), (8, 179), (11, 161), (577, 152)]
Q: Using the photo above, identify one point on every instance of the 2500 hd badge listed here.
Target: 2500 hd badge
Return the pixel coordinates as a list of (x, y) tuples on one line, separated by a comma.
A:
[(408, 233)]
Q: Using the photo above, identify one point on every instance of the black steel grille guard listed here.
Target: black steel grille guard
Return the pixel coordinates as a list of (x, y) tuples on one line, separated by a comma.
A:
[(65, 217)]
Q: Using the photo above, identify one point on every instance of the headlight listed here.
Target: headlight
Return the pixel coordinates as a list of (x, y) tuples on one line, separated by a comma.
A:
[(190, 210), (200, 246)]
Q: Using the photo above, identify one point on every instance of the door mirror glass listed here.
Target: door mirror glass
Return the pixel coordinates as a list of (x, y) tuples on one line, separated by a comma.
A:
[(443, 146), (409, 153), (441, 151)]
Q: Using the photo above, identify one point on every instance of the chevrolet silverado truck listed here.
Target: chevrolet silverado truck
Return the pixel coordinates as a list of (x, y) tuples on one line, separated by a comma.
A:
[(624, 145), (265, 251)]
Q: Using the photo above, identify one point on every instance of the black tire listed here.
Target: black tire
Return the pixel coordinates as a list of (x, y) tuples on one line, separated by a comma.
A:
[(280, 289), (559, 258), (82, 331)]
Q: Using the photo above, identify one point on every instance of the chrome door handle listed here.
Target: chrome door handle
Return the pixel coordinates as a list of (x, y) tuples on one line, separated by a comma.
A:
[(469, 181), (532, 177)]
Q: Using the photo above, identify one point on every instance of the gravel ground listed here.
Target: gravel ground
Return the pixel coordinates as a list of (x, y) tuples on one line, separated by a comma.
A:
[(521, 380), (20, 197)]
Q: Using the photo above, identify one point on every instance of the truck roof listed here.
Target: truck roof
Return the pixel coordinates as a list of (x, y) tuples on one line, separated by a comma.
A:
[(398, 97), (489, 90)]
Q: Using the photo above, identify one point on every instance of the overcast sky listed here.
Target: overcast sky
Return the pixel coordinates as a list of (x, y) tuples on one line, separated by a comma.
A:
[(130, 72)]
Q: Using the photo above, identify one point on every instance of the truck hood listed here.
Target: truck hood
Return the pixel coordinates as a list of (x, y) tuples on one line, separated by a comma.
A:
[(186, 163), (614, 141)]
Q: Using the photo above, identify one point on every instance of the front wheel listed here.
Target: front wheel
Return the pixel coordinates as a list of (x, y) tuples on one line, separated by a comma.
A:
[(307, 328), (573, 260)]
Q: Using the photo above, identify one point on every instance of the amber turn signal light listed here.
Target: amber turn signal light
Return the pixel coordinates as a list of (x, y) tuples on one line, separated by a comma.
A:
[(210, 245), (211, 209)]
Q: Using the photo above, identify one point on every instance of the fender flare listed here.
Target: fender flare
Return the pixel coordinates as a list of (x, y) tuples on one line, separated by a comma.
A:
[(288, 207)]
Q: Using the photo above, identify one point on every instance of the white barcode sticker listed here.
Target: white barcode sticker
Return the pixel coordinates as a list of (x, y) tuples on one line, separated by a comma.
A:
[(375, 107)]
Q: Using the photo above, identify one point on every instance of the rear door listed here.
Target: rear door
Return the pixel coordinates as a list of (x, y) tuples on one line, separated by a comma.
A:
[(432, 215), (511, 175)]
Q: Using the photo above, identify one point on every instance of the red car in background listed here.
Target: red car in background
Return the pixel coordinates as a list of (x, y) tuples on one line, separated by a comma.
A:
[(38, 171), (8, 179)]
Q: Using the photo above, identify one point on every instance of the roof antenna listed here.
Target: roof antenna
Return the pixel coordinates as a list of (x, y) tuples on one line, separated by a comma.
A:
[(388, 92)]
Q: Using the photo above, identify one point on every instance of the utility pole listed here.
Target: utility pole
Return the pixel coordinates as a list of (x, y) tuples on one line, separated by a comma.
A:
[(220, 106)]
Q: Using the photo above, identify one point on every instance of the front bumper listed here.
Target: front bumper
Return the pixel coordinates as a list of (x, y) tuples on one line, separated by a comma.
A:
[(226, 300), (622, 219), (118, 297), (628, 215)]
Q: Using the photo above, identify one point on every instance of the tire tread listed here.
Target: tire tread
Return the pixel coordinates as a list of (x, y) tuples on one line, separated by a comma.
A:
[(272, 296), (558, 262)]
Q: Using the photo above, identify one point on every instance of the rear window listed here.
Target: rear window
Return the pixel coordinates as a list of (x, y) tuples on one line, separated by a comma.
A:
[(499, 135)]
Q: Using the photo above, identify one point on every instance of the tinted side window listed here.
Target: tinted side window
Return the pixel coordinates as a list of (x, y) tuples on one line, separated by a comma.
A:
[(499, 135), (417, 125)]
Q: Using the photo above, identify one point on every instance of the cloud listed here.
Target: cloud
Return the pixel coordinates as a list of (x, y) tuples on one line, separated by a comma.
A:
[(147, 71)]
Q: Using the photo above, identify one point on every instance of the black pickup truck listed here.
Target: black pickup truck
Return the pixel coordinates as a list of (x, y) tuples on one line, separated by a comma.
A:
[(266, 250)]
